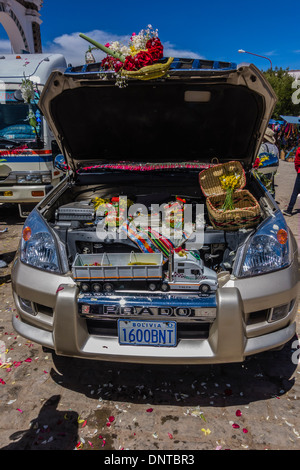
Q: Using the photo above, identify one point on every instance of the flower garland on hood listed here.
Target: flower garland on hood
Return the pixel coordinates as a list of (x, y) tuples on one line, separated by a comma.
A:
[(144, 49)]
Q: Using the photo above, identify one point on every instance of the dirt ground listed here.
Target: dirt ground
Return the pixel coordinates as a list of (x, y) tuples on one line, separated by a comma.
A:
[(49, 402)]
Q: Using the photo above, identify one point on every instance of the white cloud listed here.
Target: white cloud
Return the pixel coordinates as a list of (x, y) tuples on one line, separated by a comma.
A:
[(170, 50), (73, 47), (5, 46), (270, 53)]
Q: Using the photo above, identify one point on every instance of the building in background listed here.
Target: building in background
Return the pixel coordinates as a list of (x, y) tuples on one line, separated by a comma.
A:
[(21, 21)]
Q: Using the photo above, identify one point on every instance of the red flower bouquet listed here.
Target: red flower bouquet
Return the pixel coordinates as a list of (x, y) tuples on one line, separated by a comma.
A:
[(144, 49)]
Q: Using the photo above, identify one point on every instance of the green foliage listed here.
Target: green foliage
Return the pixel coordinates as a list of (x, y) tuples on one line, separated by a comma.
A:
[(281, 82)]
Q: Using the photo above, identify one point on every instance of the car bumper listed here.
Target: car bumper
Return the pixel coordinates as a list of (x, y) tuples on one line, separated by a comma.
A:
[(19, 194), (241, 326)]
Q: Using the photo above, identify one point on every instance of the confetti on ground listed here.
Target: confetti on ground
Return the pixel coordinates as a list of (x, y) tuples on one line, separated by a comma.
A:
[(110, 421), (206, 431)]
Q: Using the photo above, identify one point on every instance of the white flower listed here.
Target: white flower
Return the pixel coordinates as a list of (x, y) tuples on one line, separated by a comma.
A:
[(27, 90), (125, 50), (115, 45)]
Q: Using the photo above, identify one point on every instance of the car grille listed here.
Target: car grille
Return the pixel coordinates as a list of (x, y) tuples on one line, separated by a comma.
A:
[(191, 330)]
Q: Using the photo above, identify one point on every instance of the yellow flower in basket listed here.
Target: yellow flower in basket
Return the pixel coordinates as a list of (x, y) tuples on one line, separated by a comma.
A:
[(229, 183)]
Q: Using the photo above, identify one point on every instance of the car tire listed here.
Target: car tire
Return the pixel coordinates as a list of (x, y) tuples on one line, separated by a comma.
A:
[(108, 287), (164, 287)]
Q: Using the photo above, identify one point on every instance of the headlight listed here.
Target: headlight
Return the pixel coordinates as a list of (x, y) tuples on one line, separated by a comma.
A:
[(39, 248), (267, 250), (34, 178)]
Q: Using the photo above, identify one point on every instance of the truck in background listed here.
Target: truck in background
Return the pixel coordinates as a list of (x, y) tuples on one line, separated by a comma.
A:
[(27, 145)]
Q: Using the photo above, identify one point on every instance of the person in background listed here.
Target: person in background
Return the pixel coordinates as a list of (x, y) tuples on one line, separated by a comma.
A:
[(296, 189), (269, 143), (267, 161)]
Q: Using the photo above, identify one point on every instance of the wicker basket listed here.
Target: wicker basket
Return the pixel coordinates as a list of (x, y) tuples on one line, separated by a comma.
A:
[(246, 212), (210, 179)]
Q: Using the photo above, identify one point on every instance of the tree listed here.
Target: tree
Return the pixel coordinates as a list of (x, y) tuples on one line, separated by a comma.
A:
[(281, 82)]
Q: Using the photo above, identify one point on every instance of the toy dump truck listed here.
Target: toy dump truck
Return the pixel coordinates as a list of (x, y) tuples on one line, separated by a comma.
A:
[(112, 271)]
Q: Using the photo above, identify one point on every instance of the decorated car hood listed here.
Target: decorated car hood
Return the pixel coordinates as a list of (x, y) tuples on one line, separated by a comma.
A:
[(199, 111)]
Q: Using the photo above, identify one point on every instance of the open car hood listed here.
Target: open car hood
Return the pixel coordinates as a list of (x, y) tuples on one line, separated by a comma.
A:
[(198, 113)]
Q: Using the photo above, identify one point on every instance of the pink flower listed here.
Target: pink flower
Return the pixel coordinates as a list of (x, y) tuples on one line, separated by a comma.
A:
[(238, 413), (235, 426)]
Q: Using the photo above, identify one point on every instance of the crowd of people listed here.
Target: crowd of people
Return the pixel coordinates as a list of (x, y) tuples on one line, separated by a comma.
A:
[(274, 142), (287, 138)]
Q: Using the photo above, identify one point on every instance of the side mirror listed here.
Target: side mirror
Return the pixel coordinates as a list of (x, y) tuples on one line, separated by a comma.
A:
[(18, 96), (60, 163)]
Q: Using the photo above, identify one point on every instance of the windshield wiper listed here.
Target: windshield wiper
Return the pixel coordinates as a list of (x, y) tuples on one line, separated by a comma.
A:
[(9, 142)]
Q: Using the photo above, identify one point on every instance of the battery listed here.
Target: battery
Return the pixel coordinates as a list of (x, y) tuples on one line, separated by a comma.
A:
[(75, 211)]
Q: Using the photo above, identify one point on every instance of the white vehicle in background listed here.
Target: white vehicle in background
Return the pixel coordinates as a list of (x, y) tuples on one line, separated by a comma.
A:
[(27, 146)]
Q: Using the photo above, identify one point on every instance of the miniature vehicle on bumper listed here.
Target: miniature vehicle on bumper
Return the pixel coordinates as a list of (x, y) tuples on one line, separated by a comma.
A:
[(150, 141)]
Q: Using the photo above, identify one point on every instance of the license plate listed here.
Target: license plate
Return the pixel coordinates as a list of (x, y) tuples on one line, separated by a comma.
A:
[(147, 333)]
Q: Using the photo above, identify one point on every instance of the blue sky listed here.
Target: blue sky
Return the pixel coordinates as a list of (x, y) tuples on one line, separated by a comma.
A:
[(212, 29)]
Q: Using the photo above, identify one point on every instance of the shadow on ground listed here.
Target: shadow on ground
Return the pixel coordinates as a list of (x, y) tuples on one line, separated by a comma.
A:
[(258, 378), (51, 430)]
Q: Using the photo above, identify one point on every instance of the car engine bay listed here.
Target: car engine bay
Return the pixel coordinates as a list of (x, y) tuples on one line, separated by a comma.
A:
[(77, 221)]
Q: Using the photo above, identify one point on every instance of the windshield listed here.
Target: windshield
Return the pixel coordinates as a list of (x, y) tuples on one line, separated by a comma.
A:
[(19, 122)]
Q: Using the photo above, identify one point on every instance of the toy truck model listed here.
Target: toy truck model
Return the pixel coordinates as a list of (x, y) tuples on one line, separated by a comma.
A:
[(188, 273), (27, 173), (108, 271)]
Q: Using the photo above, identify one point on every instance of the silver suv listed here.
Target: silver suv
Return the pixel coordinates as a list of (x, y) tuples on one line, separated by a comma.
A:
[(96, 276)]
